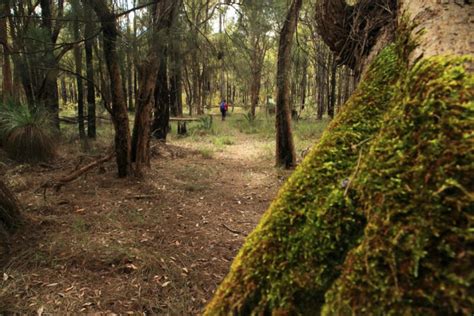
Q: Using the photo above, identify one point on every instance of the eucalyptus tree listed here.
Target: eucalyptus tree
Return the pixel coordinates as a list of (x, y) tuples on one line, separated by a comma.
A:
[(254, 34), (285, 148)]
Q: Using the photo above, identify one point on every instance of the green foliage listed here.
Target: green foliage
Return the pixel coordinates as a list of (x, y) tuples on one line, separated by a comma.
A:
[(248, 124), (26, 133), (223, 141), (205, 123), (292, 258), (416, 258), (203, 126)]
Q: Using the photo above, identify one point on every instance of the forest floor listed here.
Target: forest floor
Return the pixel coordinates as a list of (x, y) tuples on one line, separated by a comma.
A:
[(161, 244)]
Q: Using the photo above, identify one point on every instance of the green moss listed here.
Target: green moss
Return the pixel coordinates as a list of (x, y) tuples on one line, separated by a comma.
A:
[(294, 255), (416, 256)]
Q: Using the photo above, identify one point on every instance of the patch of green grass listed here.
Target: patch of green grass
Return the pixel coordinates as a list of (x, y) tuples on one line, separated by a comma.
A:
[(206, 153), (224, 140), (79, 225)]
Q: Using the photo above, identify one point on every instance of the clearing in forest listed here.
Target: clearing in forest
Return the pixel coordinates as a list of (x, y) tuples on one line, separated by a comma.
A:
[(161, 244)]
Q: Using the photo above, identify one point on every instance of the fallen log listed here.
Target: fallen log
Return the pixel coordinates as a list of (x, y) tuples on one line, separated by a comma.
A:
[(59, 183)]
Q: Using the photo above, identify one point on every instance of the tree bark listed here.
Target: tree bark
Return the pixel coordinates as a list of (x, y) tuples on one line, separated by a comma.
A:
[(80, 84), (7, 91), (162, 102), (119, 104), (285, 149), (88, 45), (47, 93), (163, 14), (332, 95), (351, 31)]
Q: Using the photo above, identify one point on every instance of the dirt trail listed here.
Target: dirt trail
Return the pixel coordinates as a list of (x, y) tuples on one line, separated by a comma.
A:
[(161, 245)]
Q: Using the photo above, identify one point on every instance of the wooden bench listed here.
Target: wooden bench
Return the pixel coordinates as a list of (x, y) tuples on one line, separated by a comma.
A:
[(182, 128)]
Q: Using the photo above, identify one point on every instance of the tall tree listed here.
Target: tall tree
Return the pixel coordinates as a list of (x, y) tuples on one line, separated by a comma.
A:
[(119, 111), (47, 91), (285, 148), (7, 90), (88, 47), (162, 16), (77, 9)]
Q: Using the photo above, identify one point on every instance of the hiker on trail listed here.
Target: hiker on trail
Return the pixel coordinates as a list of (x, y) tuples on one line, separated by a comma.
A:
[(224, 107)]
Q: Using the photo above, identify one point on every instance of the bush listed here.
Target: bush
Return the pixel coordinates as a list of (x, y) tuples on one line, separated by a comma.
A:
[(26, 134)]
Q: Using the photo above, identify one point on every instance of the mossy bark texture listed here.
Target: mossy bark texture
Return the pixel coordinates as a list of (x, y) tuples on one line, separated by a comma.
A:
[(378, 218), (416, 255)]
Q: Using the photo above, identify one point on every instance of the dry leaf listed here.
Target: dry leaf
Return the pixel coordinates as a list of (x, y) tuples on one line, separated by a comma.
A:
[(52, 284), (40, 311)]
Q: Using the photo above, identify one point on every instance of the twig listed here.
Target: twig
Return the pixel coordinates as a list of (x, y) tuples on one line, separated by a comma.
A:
[(142, 197), (356, 170), (232, 230)]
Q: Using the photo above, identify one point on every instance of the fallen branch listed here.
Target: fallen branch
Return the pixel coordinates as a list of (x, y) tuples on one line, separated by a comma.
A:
[(57, 184), (143, 197), (232, 230)]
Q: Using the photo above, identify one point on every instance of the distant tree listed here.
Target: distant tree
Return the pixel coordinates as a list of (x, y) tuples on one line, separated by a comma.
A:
[(88, 47), (77, 11)]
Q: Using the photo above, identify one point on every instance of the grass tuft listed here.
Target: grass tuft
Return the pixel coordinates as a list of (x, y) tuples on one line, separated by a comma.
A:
[(26, 133)]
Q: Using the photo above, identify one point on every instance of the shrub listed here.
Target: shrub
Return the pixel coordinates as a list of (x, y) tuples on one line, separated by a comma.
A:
[(25, 133)]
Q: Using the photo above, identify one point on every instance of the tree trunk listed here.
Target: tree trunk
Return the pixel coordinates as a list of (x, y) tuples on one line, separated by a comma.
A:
[(47, 93), (88, 45), (144, 106), (80, 85), (176, 84), (163, 16), (285, 149), (119, 104), (304, 83), (162, 102), (255, 90), (332, 96), (7, 88)]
